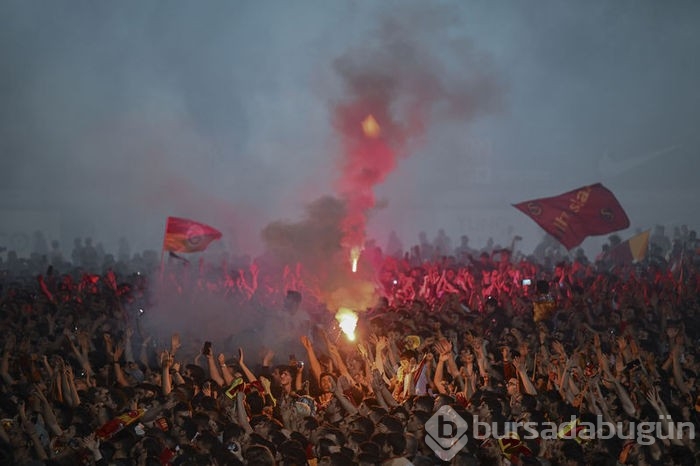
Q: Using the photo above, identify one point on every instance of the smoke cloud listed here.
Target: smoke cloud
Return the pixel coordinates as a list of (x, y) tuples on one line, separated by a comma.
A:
[(396, 83)]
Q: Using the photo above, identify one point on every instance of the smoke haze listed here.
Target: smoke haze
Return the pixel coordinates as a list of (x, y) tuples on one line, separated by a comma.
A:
[(242, 114)]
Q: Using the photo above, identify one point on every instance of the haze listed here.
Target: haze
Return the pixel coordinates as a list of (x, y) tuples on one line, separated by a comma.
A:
[(115, 115)]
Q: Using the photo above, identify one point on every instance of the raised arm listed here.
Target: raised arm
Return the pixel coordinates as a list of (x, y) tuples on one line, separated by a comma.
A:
[(30, 429), (225, 371), (342, 399), (246, 371), (213, 365), (314, 365), (676, 350), (5, 361), (166, 363), (114, 354), (665, 417), (338, 360), (519, 363), (128, 350), (381, 391), (241, 412), (48, 412), (439, 372)]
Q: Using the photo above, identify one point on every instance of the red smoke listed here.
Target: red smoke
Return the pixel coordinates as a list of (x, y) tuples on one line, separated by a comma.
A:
[(366, 163)]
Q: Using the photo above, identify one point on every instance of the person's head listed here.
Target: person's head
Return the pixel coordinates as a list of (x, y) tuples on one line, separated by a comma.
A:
[(416, 421), (512, 386), (390, 444), (308, 427), (389, 423), (442, 400), (326, 382), (423, 403), (285, 377), (408, 358), (362, 424), (401, 413), (491, 304), (259, 455), (366, 405), (466, 356)]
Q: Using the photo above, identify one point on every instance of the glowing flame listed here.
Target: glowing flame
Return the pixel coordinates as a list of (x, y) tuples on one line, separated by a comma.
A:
[(347, 321), (354, 257), (370, 127)]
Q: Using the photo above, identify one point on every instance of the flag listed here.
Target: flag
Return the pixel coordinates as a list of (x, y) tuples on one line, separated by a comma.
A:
[(573, 216), (183, 235), (180, 258), (632, 250)]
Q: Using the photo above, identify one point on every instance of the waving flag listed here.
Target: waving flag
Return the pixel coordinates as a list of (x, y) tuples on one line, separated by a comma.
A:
[(183, 235), (632, 250), (572, 216)]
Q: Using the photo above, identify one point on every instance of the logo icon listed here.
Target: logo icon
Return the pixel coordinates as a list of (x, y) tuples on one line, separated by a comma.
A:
[(446, 433), (194, 235), (534, 208)]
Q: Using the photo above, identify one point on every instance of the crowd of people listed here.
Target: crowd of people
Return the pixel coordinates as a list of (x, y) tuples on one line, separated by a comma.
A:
[(531, 354)]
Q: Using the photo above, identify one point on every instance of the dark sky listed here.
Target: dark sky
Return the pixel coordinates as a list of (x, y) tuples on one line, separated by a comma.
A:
[(115, 115)]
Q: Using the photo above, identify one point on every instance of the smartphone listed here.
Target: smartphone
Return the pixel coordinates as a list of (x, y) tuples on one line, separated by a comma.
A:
[(206, 349), (527, 282)]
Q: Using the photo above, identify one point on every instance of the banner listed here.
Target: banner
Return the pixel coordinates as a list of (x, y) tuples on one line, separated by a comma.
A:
[(571, 217), (183, 235)]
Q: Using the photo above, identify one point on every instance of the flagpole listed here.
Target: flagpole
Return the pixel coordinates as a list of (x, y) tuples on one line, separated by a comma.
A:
[(162, 255), (680, 274)]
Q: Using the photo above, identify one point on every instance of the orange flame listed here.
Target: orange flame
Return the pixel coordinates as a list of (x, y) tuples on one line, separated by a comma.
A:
[(370, 127), (354, 257), (347, 321)]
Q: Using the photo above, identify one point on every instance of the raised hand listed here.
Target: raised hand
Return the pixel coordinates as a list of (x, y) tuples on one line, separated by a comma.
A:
[(519, 363), (652, 395), (377, 379), (166, 359), (382, 343), (118, 351), (558, 348), (363, 350), (267, 357), (174, 342), (92, 442)]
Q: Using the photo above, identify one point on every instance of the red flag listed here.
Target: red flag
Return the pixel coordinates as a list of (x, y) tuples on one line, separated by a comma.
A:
[(182, 235), (572, 216), (45, 289)]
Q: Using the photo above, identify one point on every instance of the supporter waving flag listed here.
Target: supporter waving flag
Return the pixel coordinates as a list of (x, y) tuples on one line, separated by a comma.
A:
[(632, 250), (571, 217), (183, 235)]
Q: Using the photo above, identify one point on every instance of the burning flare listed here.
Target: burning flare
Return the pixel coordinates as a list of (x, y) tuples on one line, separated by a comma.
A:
[(370, 127), (347, 321), (354, 257)]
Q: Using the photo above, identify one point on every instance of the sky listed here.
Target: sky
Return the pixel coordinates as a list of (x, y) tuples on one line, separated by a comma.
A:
[(239, 114)]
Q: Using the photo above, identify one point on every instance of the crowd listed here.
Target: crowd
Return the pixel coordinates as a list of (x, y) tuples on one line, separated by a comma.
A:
[(490, 336)]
